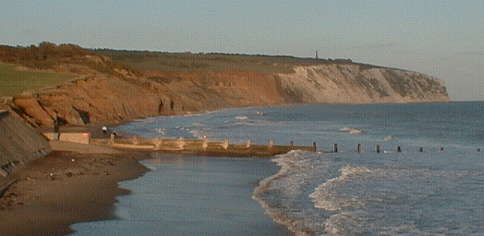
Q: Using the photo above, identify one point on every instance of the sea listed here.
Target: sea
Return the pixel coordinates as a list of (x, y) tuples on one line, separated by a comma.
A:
[(434, 186)]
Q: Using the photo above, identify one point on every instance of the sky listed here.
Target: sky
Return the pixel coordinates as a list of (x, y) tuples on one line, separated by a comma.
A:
[(443, 38)]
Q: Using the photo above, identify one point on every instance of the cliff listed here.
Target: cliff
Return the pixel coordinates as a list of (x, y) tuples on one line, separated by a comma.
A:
[(353, 83), (19, 143), (109, 88)]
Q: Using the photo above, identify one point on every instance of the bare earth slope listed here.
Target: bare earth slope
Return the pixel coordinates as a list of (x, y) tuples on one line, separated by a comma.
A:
[(19, 143), (109, 92)]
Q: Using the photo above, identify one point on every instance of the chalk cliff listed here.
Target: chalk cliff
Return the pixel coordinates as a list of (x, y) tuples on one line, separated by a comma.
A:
[(107, 93), (352, 83)]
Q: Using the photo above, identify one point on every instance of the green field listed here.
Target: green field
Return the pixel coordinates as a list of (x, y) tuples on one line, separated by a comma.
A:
[(14, 82)]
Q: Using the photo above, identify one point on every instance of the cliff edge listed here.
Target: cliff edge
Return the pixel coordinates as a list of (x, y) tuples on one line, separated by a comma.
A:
[(113, 86)]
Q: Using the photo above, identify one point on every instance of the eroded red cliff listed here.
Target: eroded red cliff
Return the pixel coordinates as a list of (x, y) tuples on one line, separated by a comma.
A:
[(105, 92)]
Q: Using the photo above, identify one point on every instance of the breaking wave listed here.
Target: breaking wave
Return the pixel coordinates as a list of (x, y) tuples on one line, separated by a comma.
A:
[(241, 117), (324, 195), (351, 130), (288, 163)]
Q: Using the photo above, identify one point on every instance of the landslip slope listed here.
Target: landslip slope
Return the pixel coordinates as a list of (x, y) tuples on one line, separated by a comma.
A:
[(109, 91), (19, 143)]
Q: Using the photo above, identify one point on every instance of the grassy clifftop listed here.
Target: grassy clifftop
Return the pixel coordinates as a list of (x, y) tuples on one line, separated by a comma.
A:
[(215, 62), (14, 81)]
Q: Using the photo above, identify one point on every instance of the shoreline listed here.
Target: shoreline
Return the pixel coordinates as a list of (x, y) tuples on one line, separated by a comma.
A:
[(75, 183), (197, 198)]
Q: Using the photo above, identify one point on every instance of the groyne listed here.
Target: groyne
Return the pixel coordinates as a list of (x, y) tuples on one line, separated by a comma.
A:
[(202, 147)]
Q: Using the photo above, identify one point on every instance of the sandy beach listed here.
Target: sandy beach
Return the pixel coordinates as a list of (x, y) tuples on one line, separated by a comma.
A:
[(75, 183)]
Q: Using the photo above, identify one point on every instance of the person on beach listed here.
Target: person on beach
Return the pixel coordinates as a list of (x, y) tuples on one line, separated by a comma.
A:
[(112, 136), (105, 130)]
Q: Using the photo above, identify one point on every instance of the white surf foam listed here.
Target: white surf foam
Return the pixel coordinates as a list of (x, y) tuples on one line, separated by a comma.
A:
[(160, 131), (351, 130), (325, 197), (241, 117), (288, 162)]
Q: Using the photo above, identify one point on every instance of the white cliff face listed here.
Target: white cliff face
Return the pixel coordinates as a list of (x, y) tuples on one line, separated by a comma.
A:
[(353, 83)]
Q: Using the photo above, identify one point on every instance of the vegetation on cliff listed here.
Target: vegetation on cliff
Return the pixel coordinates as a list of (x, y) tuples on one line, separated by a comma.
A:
[(49, 56), (14, 81), (215, 62)]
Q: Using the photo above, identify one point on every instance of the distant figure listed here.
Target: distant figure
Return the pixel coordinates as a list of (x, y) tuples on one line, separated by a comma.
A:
[(105, 130)]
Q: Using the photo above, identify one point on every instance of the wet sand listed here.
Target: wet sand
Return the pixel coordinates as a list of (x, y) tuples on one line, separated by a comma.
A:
[(77, 184)]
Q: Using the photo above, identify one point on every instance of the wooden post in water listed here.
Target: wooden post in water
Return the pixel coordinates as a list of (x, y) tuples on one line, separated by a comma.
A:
[(420, 149), (135, 140), (157, 142), (378, 148), (180, 143), (441, 149), (358, 148), (478, 150), (205, 144), (399, 149), (335, 148), (271, 143), (225, 145), (314, 147), (247, 145)]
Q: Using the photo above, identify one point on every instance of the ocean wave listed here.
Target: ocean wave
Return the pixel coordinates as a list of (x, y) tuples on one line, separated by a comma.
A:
[(347, 223), (198, 124), (241, 117), (288, 163), (325, 197), (196, 133), (160, 131), (351, 130)]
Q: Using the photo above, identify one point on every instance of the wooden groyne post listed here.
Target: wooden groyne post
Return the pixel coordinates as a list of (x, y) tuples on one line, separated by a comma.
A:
[(225, 144), (205, 144), (157, 142), (271, 144), (358, 148), (335, 148), (378, 148), (205, 147), (180, 143)]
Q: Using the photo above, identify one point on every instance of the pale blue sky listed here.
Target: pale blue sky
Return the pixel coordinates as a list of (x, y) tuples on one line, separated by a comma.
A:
[(444, 38)]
